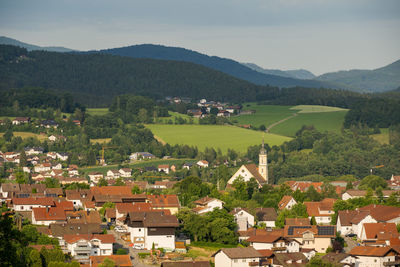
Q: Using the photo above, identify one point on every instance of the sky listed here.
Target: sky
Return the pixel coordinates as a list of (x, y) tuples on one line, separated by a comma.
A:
[(318, 35)]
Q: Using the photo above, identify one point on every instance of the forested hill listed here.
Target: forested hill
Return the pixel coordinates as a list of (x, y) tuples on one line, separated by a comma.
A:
[(227, 66), (379, 80), (9, 41), (94, 79)]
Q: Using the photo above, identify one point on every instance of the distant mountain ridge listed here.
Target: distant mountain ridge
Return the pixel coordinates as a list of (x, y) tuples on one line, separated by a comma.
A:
[(9, 41), (382, 79), (225, 65), (297, 74)]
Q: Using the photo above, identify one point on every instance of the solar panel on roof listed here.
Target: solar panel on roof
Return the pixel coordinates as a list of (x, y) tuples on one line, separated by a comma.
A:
[(326, 230), (291, 228)]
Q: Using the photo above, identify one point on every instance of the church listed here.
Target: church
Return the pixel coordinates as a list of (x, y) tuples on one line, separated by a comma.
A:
[(249, 171)]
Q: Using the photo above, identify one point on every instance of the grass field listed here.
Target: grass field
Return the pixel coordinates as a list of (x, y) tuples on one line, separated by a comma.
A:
[(316, 109), (100, 140), (216, 136), (25, 135), (324, 121), (164, 120), (97, 111), (383, 137), (265, 114)]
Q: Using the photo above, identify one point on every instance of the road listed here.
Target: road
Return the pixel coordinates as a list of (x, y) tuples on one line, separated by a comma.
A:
[(120, 243), (279, 122), (350, 244)]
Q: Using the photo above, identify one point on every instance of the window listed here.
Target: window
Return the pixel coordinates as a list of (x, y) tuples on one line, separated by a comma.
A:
[(140, 230), (244, 260), (22, 207), (235, 260)]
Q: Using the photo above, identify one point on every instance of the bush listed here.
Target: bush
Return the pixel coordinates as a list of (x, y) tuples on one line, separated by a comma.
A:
[(143, 255), (121, 251)]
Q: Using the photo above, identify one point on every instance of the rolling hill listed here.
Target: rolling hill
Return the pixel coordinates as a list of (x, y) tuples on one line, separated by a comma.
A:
[(297, 74), (9, 41), (225, 65), (379, 80)]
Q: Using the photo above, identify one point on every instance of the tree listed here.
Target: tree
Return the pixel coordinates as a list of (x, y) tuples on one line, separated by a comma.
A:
[(22, 159), (142, 115), (373, 182), (313, 221), (8, 135), (136, 190), (106, 205), (214, 111), (107, 263), (121, 251), (35, 259), (103, 182)]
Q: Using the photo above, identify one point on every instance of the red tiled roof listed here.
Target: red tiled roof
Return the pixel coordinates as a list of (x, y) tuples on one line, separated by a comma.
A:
[(120, 260), (380, 231), (284, 201), (297, 221), (382, 213), (109, 238), (370, 251), (112, 190), (159, 201), (314, 208), (43, 201), (130, 207), (53, 214)]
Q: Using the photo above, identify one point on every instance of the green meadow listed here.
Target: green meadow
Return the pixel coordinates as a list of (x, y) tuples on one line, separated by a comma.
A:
[(97, 111), (173, 115), (215, 136)]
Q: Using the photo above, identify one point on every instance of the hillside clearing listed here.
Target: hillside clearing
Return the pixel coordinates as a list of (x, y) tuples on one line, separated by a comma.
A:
[(25, 135), (215, 136), (316, 109), (382, 137), (97, 111)]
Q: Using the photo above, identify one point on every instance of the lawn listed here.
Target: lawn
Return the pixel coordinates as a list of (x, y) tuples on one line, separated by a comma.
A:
[(265, 114), (316, 109), (97, 111), (383, 137), (324, 121), (165, 120), (100, 140), (215, 136), (25, 135)]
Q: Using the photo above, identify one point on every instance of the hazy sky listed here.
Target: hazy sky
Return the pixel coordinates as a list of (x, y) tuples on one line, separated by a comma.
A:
[(318, 35)]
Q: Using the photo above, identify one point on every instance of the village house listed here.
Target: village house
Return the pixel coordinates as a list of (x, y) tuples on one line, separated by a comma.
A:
[(343, 224), (394, 182), (373, 256), (237, 257), (62, 156), (163, 168), (207, 204), (78, 196), (243, 219), (164, 202), (165, 184), (81, 247), (152, 228), (287, 202), (303, 186), (378, 234), (42, 167), (141, 155), (316, 237), (113, 174), (382, 213), (297, 221), (350, 194), (202, 163), (274, 241), (95, 176), (33, 150), (51, 155), (125, 172), (322, 211), (27, 204), (21, 120), (122, 209), (266, 216), (289, 259), (340, 259), (73, 170), (46, 216), (187, 166)]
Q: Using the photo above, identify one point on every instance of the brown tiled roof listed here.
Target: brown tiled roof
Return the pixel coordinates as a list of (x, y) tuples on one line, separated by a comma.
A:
[(66, 205), (252, 232), (360, 215), (266, 214), (153, 219), (53, 214), (265, 252), (370, 251), (356, 193), (108, 238), (204, 200), (284, 201), (252, 168), (130, 207), (185, 264), (346, 216), (159, 201), (83, 216), (314, 208), (335, 257), (297, 221), (39, 247), (382, 213), (112, 190), (317, 230), (289, 259), (61, 229), (43, 201), (380, 231), (240, 253), (165, 166), (268, 238), (120, 260), (110, 213)]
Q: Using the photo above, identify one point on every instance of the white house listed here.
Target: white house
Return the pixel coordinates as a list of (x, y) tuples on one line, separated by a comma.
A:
[(275, 242), (62, 156), (287, 202), (95, 176), (141, 155), (202, 163), (373, 256), (266, 216), (163, 168), (243, 219), (318, 237), (152, 228), (125, 172), (113, 174), (341, 259), (343, 224), (322, 211), (43, 167), (33, 150), (237, 257), (207, 204), (47, 216), (82, 246)]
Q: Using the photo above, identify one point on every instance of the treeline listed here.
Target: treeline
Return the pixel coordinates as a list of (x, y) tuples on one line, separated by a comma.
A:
[(17, 101)]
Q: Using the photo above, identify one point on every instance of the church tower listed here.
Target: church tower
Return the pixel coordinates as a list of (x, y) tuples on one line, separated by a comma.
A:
[(262, 163)]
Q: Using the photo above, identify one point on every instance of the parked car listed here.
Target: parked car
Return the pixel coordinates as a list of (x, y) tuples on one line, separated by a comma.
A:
[(351, 235), (137, 246)]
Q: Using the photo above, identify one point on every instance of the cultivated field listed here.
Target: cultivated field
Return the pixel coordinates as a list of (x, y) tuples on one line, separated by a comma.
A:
[(25, 135), (97, 111), (324, 121), (316, 109), (215, 136)]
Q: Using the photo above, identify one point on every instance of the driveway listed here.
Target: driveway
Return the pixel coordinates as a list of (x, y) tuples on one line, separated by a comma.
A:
[(120, 243), (350, 244)]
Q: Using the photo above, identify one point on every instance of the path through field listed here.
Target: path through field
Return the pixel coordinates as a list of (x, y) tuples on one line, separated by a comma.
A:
[(279, 122)]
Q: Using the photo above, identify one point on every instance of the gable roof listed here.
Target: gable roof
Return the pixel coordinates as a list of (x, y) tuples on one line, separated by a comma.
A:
[(335, 257), (284, 201), (205, 200), (266, 214), (159, 201), (108, 238), (370, 251), (268, 238), (61, 229), (318, 230), (382, 213), (239, 253), (290, 259), (130, 207), (252, 168), (43, 201), (120, 260), (153, 219), (49, 214), (345, 216), (380, 231), (315, 208), (297, 221)]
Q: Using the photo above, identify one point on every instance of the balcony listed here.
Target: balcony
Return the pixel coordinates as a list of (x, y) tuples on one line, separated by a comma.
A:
[(83, 249)]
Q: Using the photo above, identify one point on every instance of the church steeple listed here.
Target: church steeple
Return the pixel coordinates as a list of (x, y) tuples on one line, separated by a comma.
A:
[(262, 162)]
